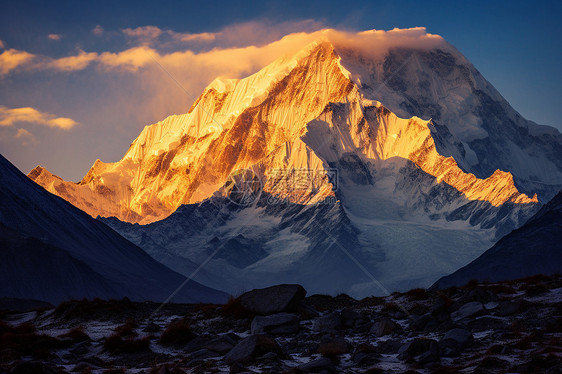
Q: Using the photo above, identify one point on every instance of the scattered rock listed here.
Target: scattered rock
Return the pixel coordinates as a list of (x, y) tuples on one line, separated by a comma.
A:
[(471, 309), (9, 355), (320, 365), (222, 344), (275, 299), (32, 367), (419, 323), (390, 346), (365, 355), (349, 316), (508, 308), (421, 350), (328, 322), (486, 323), (455, 341), (152, 327), (251, 347), (331, 346), (384, 326), (203, 354), (275, 324)]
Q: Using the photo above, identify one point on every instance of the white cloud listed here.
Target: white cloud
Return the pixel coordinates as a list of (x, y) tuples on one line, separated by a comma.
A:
[(11, 116), (98, 30), (54, 36), (203, 36), (143, 34), (71, 63)]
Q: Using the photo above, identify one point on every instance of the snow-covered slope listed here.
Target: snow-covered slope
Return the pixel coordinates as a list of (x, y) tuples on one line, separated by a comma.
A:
[(535, 248), (51, 243)]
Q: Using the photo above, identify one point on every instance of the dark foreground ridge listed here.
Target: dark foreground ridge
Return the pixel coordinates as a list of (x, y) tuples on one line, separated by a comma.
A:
[(513, 326)]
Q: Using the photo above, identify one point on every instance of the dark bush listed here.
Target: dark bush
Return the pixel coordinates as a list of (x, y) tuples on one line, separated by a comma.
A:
[(76, 334), (127, 329), (177, 333), (25, 340), (235, 309), (116, 344), (417, 294)]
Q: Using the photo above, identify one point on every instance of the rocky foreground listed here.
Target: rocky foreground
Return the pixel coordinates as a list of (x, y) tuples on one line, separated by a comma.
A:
[(479, 328)]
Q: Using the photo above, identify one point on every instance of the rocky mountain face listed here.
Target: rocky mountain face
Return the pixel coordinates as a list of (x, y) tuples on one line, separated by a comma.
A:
[(52, 251), (480, 328), (535, 248), (324, 160)]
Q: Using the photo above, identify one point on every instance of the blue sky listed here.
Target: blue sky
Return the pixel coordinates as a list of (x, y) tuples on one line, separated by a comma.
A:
[(516, 45)]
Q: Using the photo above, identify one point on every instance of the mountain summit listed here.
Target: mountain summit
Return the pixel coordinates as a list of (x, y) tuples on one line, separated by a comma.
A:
[(386, 150), (236, 124)]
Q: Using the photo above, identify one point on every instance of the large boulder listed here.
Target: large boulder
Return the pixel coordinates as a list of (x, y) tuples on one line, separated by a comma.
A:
[(252, 347), (274, 299), (276, 324)]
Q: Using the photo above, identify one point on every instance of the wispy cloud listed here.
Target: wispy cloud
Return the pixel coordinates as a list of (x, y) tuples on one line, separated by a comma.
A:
[(25, 136), (2, 45), (12, 116), (54, 36), (98, 30)]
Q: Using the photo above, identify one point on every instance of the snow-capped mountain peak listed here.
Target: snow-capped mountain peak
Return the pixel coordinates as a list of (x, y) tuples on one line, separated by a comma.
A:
[(236, 124)]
